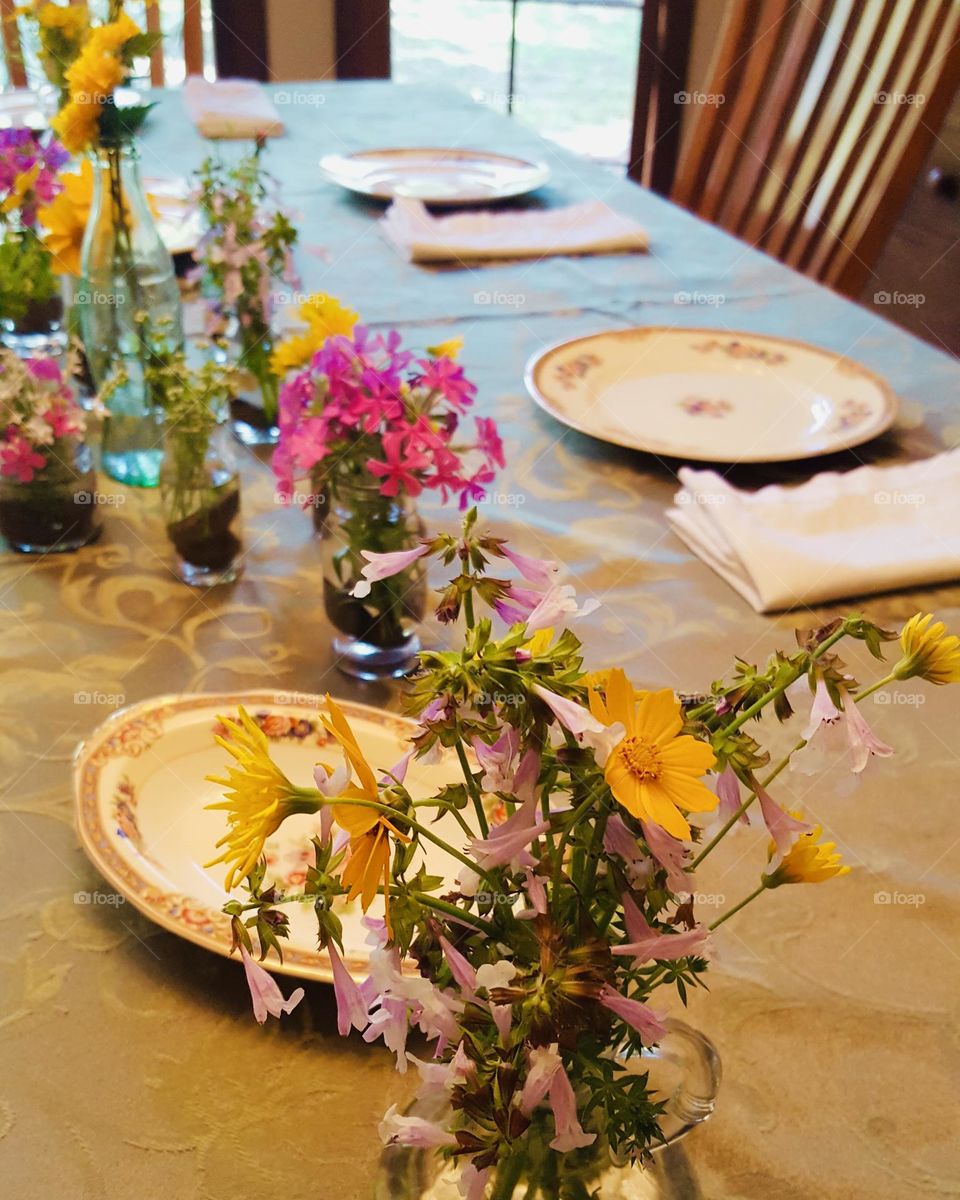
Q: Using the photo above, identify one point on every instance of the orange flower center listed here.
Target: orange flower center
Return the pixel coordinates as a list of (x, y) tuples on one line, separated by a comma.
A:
[(641, 757)]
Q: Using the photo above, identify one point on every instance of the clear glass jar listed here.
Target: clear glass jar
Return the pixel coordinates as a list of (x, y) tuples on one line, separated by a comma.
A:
[(40, 332), (683, 1071), (376, 634), (56, 511), (128, 299), (200, 499)]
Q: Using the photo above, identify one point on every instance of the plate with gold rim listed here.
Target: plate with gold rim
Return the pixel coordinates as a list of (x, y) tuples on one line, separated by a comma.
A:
[(711, 395), (140, 792), (435, 175)]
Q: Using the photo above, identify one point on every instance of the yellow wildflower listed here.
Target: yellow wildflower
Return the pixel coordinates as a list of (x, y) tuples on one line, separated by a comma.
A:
[(928, 651), (95, 73), (21, 185), (448, 349), (64, 220), (654, 771), (368, 867), (258, 800), (71, 18), (808, 861), (76, 125), (325, 317)]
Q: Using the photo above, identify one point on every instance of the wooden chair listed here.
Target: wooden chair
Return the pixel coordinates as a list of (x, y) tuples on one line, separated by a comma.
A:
[(192, 40), (828, 110)]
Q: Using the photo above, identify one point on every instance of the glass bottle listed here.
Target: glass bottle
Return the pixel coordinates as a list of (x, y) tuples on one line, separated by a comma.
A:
[(127, 298)]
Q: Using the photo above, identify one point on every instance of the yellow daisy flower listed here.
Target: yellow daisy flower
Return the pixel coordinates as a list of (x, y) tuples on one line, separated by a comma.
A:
[(77, 125), (325, 317), (368, 866), (448, 349), (654, 771), (258, 800), (928, 651), (64, 220), (808, 861), (21, 185)]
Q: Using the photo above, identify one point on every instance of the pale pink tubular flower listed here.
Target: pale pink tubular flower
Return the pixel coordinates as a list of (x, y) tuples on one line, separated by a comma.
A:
[(472, 1184), (544, 1063), (537, 570), (558, 605), (382, 566), (496, 759), (508, 842), (864, 743), (352, 1009), (264, 991), (397, 1130), (823, 711), (670, 854), (783, 829), (728, 793), (641, 1017), (570, 1133), (460, 968), (569, 713), (647, 944)]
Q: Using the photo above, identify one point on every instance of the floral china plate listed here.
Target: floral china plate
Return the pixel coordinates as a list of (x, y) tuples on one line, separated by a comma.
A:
[(435, 176), (140, 793), (711, 395)]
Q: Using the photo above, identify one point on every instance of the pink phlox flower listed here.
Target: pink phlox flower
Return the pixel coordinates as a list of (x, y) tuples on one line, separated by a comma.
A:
[(497, 760), (639, 1016), (384, 566), (398, 1130), (569, 1132), (399, 466), (653, 945), (542, 571)]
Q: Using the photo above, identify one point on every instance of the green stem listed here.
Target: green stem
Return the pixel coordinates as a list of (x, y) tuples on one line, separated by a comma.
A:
[(875, 687), (457, 914), (475, 794), (736, 908), (468, 609)]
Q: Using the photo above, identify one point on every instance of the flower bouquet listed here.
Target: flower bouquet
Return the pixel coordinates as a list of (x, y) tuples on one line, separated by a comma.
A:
[(247, 247), (31, 308), (538, 965), (126, 270), (370, 426), (47, 481)]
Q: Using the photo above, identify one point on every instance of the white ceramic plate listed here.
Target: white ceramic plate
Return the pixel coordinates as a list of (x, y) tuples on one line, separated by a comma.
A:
[(711, 395), (435, 176), (140, 795), (176, 212)]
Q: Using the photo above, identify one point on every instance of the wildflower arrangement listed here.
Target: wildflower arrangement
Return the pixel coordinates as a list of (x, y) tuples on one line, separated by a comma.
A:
[(62, 30), (39, 412), (325, 317), (247, 248), (367, 412), (95, 60), (566, 916), (29, 163)]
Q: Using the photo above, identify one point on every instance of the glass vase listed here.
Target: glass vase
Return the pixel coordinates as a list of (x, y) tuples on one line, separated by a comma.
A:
[(129, 301), (683, 1071), (40, 333), (254, 408), (200, 499), (56, 511), (376, 634)]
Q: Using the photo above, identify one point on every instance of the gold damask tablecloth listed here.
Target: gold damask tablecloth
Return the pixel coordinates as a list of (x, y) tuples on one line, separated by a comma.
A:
[(132, 1068)]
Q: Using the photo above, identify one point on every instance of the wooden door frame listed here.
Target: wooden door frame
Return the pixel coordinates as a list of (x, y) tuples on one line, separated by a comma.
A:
[(362, 37), (666, 32)]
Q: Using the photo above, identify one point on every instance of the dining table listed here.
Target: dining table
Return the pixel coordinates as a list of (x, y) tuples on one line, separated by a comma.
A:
[(132, 1066)]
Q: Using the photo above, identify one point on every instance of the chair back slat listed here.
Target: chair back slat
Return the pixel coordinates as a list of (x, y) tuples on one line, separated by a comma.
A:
[(805, 159), (193, 37), (157, 75), (12, 52)]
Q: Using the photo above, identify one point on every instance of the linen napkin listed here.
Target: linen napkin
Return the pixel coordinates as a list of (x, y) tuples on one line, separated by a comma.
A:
[(231, 108), (589, 228), (868, 530)]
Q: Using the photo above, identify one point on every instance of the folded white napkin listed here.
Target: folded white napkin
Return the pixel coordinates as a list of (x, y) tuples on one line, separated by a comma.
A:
[(868, 530), (231, 108), (590, 228)]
